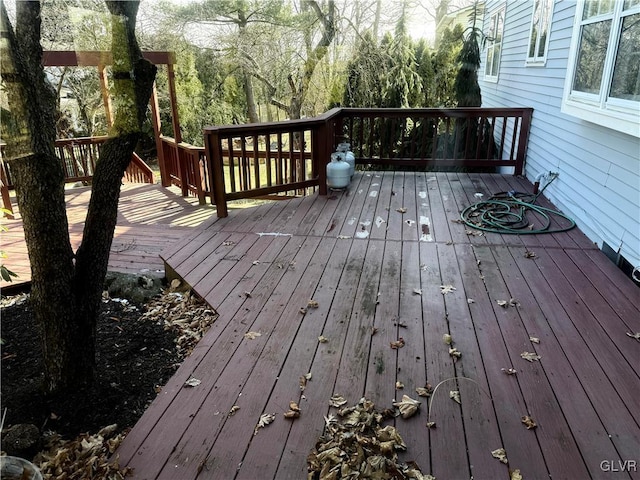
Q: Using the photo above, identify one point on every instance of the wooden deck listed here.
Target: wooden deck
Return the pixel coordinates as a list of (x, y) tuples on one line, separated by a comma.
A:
[(150, 219), (362, 261)]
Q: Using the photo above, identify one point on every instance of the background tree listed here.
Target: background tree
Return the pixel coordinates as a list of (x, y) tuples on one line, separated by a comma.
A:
[(445, 67), (403, 83), (67, 286), (466, 83)]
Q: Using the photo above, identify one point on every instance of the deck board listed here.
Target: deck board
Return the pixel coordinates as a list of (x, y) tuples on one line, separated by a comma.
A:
[(583, 392), (150, 220)]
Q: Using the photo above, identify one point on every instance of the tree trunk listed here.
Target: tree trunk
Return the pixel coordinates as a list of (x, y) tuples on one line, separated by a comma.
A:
[(247, 86), (66, 291)]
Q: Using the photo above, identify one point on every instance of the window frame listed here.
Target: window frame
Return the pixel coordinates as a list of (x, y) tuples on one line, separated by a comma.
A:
[(602, 109), (491, 44), (536, 60)]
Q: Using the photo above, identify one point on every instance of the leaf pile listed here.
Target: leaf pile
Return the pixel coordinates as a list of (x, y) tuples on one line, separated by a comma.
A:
[(358, 446), (185, 315), (87, 456)]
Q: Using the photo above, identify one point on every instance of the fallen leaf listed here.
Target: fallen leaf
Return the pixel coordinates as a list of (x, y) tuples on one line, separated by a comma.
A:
[(456, 220), (470, 301), (399, 385), (322, 339), (509, 371), (417, 291), (303, 310), (455, 353), (529, 254), (501, 455), (446, 338), (227, 243), (233, 410), (455, 396), (344, 237), (502, 303), (534, 339), (529, 422), (407, 406), (294, 406), (252, 335), (175, 284), (308, 376), (292, 414), (192, 382), (401, 210), (514, 303), (424, 391), (515, 475), (374, 330), (398, 343), (529, 356), (444, 289), (634, 335), (247, 294), (312, 304), (255, 262), (265, 419), (303, 383), (337, 401), (431, 424)]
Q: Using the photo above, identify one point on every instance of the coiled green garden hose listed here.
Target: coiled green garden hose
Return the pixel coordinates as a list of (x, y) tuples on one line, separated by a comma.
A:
[(507, 213)]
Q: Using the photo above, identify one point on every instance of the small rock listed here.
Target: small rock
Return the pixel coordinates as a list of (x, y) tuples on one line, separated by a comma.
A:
[(22, 440)]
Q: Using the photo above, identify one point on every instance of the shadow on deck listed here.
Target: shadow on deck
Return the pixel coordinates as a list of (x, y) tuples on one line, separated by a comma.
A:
[(150, 219), (377, 274)]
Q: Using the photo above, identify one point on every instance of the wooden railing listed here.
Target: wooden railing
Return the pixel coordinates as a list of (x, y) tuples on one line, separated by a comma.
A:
[(255, 160), (460, 137), (184, 165), (262, 159), (79, 157)]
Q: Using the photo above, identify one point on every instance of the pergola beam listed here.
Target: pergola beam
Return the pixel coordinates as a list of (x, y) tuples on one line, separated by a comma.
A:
[(94, 58)]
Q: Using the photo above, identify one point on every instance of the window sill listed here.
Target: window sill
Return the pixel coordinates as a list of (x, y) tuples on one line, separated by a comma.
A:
[(625, 122)]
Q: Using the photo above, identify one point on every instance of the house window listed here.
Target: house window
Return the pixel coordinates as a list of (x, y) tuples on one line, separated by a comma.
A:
[(539, 32), (494, 45), (603, 81)]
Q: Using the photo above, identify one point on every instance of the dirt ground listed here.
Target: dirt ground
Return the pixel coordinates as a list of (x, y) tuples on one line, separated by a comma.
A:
[(135, 357)]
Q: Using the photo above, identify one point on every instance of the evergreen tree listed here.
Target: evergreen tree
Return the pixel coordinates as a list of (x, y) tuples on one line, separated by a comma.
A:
[(364, 75), (427, 75), (403, 83), (445, 67)]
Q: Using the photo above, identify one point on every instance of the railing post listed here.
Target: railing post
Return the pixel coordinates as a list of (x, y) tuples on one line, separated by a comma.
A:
[(523, 140), (183, 170), (4, 187), (194, 158), (216, 172)]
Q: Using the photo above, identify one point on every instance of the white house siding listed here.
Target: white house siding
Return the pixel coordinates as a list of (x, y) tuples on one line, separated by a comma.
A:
[(599, 182)]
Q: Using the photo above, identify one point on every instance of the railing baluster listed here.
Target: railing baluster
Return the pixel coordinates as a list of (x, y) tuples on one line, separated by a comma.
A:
[(267, 161), (279, 173)]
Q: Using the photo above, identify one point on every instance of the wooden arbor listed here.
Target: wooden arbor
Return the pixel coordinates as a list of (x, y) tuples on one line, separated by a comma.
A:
[(101, 60)]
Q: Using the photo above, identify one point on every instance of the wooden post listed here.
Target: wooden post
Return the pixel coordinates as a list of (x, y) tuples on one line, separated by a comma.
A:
[(523, 140), (216, 172), (175, 122), (155, 122), (4, 188), (104, 90)]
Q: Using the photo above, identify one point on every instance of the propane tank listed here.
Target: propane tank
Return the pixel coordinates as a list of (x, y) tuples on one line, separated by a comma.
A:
[(337, 171), (349, 157)]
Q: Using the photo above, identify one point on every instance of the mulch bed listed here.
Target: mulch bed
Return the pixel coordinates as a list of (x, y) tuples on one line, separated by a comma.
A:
[(135, 357)]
